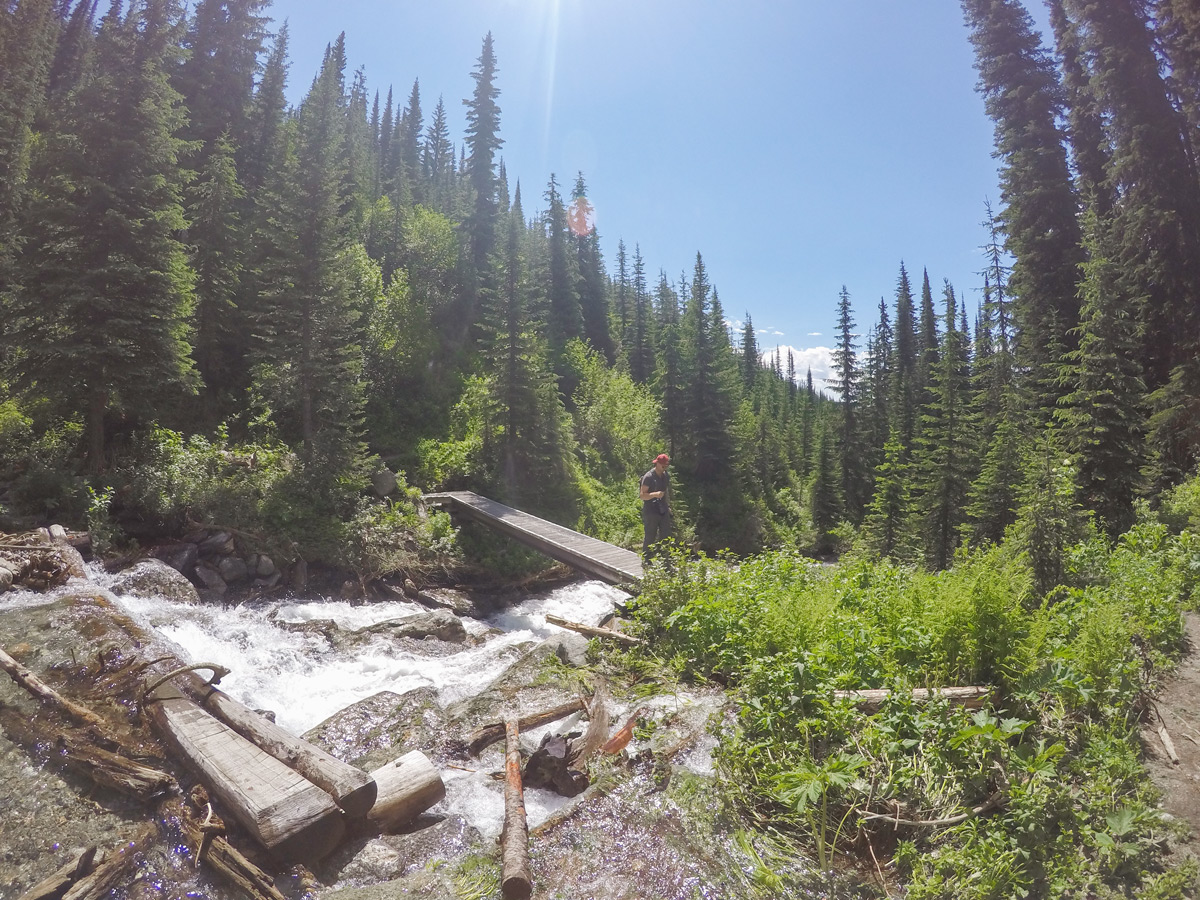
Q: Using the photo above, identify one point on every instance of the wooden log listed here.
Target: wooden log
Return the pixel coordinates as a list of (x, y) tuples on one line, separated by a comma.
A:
[(60, 882), (516, 882), (599, 721), (49, 697), (110, 874), (351, 788), (592, 631), (486, 735), (285, 812), (111, 770), (203, 829), (871, 700), (407, 787)]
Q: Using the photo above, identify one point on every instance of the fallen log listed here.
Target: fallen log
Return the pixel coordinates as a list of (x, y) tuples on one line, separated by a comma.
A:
[(486, 735), (351, 788), (516, 882), (407, 787), (871, 700), (599, 721), (592, 631), (60, 882), (80, 755), (49, 697), (205, 830), (621, 738), (100, 882), (285, 812)]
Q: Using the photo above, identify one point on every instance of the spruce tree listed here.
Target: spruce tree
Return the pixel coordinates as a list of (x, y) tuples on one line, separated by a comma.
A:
[(671, 378), (100, 320), (1102, 418), (852, 476), (483, 143), (1023, 97), (641, 351), (887, 525), (904, 363), (591, 284), (565, 318), (750, 363)]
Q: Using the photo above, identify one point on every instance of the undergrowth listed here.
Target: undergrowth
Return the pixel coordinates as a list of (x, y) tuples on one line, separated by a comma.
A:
[(1039, 793)]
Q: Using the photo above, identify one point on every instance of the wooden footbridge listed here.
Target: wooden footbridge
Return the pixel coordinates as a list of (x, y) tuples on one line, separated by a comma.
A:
[(596, 558)]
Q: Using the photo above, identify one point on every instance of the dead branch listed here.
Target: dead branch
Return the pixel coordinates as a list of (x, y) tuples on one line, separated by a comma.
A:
[(995, 801), (592, 631), (486, 735)]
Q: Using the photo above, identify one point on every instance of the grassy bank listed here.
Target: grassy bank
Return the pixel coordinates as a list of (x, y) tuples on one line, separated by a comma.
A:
[(1052, 758)]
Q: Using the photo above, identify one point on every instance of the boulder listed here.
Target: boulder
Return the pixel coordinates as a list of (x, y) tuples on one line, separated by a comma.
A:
[(264, 566), (372, 859), (211, 578), (383, 482), (219, 544), (154, 578), (181, 557), (72, 560), (232, 569), (6, 579), (299, 575), (440, 624), (58, 534)]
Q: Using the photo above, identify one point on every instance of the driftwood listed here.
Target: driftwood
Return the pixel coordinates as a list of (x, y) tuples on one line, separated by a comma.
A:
[(80, 755), (112, 873), (203, 828), (515, 879), (407, 787), (621, 738), (599, 721), (49, 697), (995, 801), (60, 882), (352, 789), (486, 735), (871, 700), (1165, 737), (282, 810), (592, 631)]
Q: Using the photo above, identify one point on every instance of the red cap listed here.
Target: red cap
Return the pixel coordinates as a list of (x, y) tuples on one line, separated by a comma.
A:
[(662, 458)]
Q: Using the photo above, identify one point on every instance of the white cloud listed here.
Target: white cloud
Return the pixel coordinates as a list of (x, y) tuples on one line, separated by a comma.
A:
[(813, 334), (819, 359)]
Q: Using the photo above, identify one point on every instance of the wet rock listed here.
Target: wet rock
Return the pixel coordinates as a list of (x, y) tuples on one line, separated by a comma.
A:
[(211, 579), (458, 602), (570, 648), (219, 544), (441, 624), (299, 575), (374, 731), (181, 557), (154, 578), (6, 578), (232, 569), (370, 860)]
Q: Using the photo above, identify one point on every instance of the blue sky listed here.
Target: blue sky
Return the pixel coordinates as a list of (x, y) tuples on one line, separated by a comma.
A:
[(797, 145)]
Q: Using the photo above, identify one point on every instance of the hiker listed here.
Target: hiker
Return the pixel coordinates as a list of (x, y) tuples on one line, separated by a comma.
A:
[(655, 491)]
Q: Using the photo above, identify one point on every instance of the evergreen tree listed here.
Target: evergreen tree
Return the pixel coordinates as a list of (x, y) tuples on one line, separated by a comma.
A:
[(221, 330), (995, 494), (1156, 224), (852, 474), (565, 319), (904, 363), (641, 351), (823, 496), (928, 343), (266, 119), (1101, 417), (310, 360), (887, 526), (750, 363), (1179, 32), (100, 318), (671, 383), (483, 142), (1023, 97), (438, 158), (622, 307), (879, 386), (591, 284), (409, 146), (944, 475)]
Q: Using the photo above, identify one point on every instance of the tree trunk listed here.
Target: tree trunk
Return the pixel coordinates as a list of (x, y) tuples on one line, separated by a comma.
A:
[(97, 407), (516, 883)]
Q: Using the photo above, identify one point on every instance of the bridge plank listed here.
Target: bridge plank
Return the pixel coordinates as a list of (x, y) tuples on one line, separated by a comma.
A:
[(601, 560)]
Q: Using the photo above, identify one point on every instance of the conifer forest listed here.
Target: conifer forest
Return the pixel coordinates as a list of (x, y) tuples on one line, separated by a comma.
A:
[(217, 306)]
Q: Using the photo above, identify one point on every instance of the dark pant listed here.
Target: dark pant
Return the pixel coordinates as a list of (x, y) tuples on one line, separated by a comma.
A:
[(657, 525)]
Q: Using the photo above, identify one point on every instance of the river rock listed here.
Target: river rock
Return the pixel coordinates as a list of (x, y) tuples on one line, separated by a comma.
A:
[(154, 578), (211, 578), (181, 557), (6, 579), (57, 533), (477, 606), (219, 544), (369, 860), (441, 624), (264, 566), (571, 648), (383, 482), (232, 569), (374, 731)]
